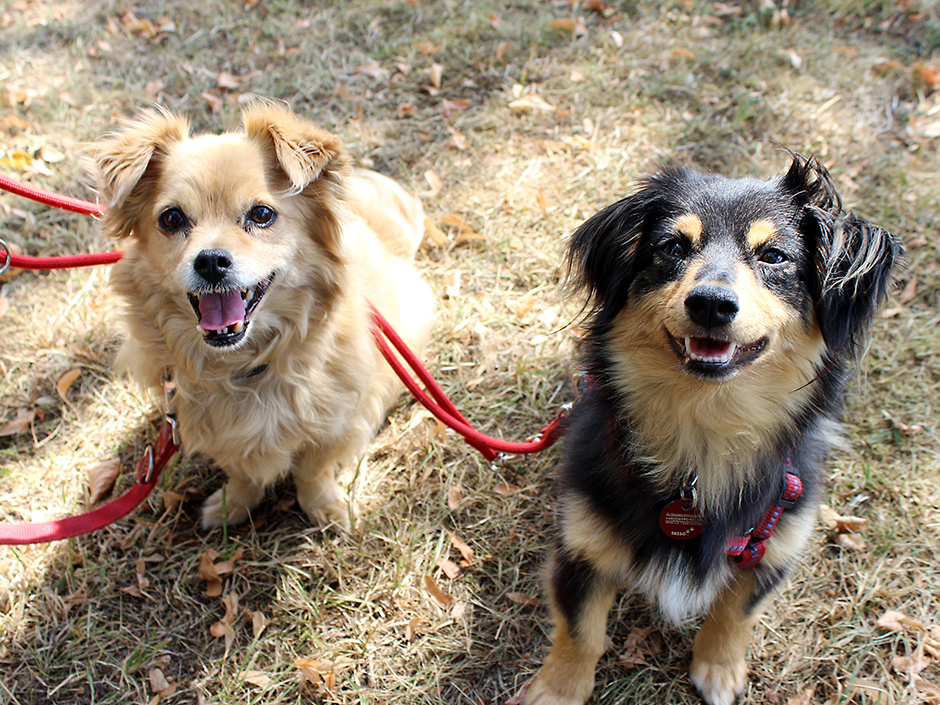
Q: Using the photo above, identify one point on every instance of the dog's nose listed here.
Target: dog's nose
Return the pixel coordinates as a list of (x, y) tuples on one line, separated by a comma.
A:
[(213, 265), (712, 306)]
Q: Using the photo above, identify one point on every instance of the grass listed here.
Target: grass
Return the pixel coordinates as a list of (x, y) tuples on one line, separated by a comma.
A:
[(719, 85)]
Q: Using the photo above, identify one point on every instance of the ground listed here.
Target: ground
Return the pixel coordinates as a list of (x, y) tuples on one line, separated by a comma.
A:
[(514, 121)]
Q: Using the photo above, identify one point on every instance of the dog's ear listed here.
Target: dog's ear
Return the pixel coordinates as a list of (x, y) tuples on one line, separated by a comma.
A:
[(853, 259), (127, 159), (602, 252), (303, 151)]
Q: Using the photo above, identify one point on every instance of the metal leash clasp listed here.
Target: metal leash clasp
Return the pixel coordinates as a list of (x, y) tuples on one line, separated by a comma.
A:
[(169, 389), (7, 256)]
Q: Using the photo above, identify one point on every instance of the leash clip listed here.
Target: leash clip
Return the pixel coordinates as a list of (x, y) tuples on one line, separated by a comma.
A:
[(169, 389), (7, 256)]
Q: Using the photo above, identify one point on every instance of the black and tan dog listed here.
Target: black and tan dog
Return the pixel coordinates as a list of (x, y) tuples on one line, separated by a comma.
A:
[(725, 317)]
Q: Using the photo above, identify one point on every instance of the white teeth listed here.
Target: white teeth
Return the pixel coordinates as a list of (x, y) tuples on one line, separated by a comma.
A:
[(238, 326), (722, 359), (246, 294)]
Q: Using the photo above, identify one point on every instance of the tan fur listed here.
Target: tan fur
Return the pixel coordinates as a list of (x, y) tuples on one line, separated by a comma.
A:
[(676, 412), (325, 387), (689, 225), (719, 668), (760, 232), (567, 676)]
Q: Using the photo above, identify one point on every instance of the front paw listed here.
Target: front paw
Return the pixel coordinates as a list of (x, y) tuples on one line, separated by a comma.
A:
[(323, 502), (719, 682), (218, 507), (333, 516), (554, 688)]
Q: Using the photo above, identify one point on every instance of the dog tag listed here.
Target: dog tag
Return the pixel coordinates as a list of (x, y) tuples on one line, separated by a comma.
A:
[(680, 520)]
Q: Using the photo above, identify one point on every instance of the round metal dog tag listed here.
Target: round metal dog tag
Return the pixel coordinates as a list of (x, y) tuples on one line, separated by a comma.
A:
[(680, 520)]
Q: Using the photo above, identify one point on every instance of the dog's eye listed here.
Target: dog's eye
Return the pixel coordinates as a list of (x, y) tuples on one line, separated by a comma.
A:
[(676, 248), (262, 215), (172, 219), (773, 256)]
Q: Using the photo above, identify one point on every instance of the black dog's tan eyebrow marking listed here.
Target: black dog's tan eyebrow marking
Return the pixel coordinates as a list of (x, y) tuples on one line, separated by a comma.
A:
[(689, 225), (760, 232)]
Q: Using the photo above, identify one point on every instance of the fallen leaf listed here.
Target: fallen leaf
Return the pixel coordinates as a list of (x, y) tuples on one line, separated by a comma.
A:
[(435, 74), (501, 51), (893, 621), (457, 138), (101, 479), (258, 623), (442, 598), (66, 381), (450, 569), (258, 678), (804, 698), (212, 572), (214, 102), (910, 664), (461, 546), (227, 81), (140, 571), (13, 122), (451, 283), (434, 181), (633, 654), (411, 629), (929, 76), (406, 110), (318, 673), (529, 102), (19, 423), (506, 489), (435, 234), (521, 598), (373, 70), (158, 681), (852, 542), (17, 159), (453, 498), (457, 105)]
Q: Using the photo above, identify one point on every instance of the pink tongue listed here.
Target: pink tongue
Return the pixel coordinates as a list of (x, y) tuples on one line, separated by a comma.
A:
[(708, 347), (219, 311)]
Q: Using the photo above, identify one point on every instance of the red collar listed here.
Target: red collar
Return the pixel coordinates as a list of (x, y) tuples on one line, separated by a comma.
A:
[(749, 549)]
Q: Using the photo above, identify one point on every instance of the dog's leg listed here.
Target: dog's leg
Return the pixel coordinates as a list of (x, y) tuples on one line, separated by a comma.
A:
[(719, 669), (234, 503), (317, 492), (581, 598)]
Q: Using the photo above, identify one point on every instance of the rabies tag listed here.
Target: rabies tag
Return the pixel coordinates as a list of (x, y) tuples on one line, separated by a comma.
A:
[(680, 520)]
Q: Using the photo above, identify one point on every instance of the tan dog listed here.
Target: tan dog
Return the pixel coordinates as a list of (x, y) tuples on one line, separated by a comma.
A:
[(251, 257)]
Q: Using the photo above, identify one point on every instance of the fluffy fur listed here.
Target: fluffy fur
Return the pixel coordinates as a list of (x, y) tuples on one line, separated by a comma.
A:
[(250, 257), (724, 318)]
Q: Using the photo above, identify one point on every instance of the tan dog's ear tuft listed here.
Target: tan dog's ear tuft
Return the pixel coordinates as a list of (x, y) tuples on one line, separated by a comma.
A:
[(304, 152), (122, 161)]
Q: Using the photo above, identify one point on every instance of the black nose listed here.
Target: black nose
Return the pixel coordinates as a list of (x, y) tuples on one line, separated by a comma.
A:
[(213, 265), (711, 306)]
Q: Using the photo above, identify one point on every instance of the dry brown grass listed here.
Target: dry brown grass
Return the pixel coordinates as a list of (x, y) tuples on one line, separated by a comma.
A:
[(88, 620)]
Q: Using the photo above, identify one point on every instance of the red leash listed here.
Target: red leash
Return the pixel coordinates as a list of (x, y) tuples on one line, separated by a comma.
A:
[(148, 471), (435, 401), (75, 205)]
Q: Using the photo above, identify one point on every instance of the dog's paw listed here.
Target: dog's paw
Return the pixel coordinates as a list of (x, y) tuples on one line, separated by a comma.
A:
[(333, 516), (543, 690), (323, 502), (719, 682), (215, 508)]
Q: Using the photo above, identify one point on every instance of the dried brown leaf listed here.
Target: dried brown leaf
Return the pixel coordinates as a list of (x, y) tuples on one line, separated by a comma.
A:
[(929, 76), (529, 102), (19, 423), (258, 623), (435, 74), (464, 549), (442, 598), (434, 233), (907, 665), (453, 498), (258, 678), (850, 541), (214, 102), (506, 489), (66, 381), (101, 479), (158, 681), (522, 598), (450, 569), (908, 292), (411, 629), (434, 181)]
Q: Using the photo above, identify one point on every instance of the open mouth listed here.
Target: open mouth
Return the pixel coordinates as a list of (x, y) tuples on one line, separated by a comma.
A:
[(224, 315), (713, 357)]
